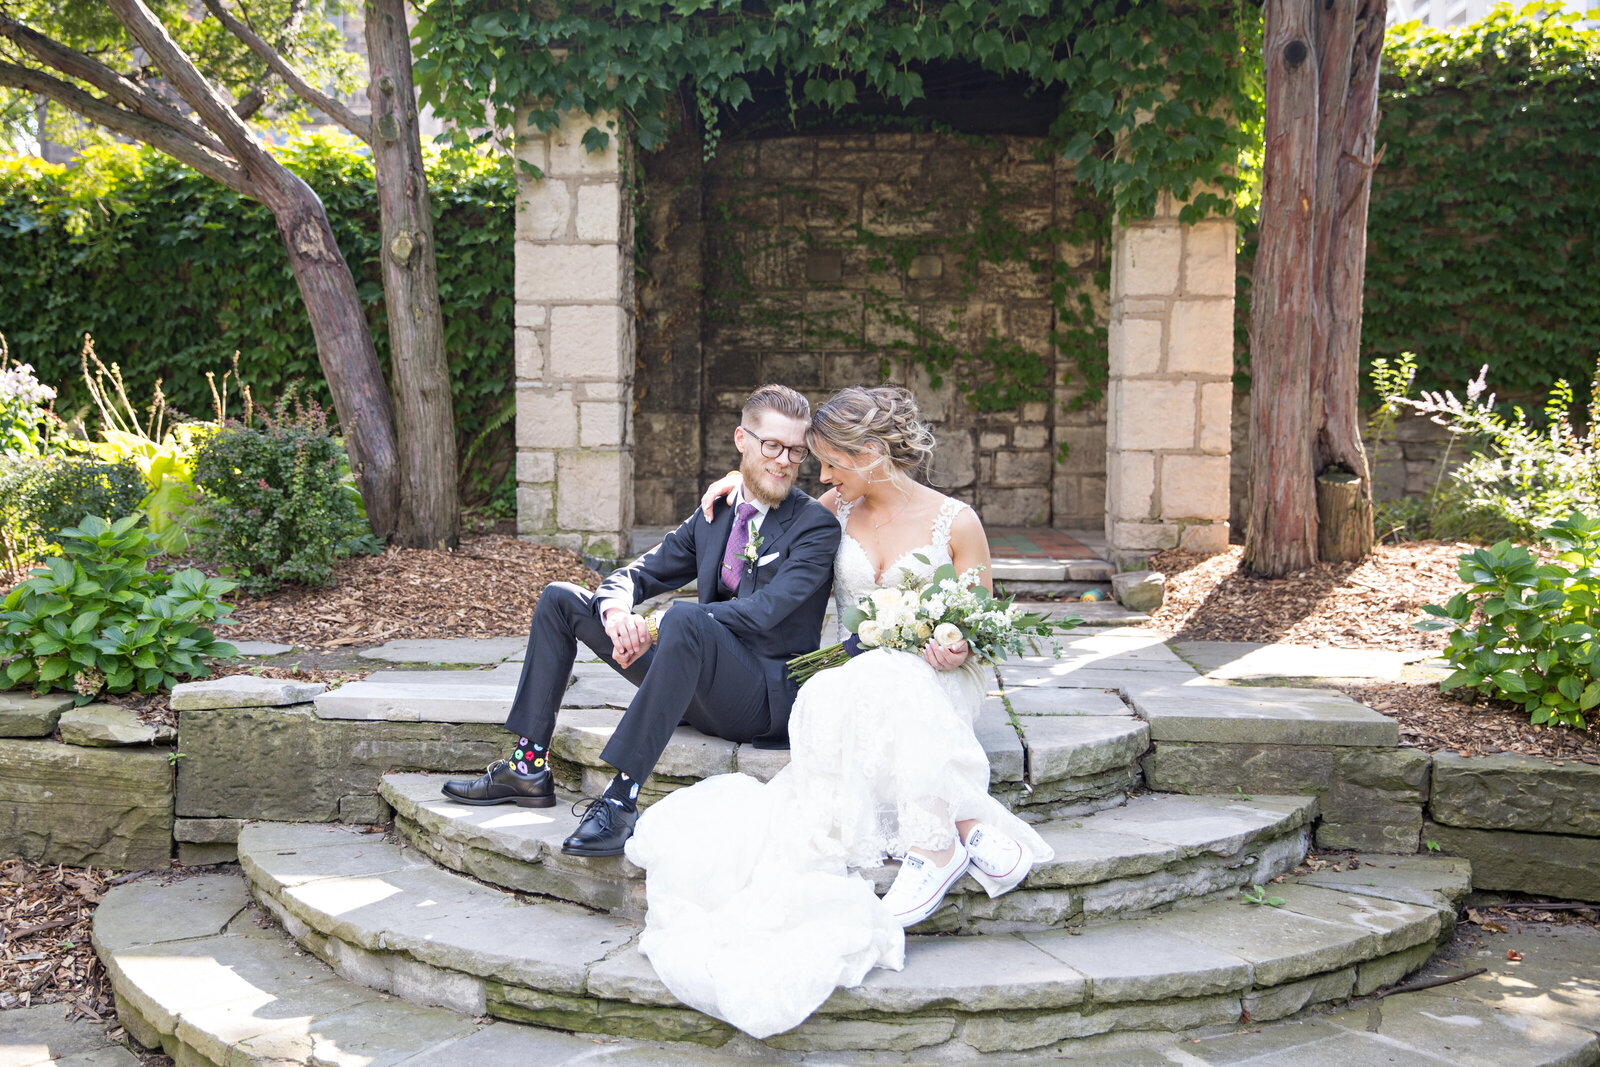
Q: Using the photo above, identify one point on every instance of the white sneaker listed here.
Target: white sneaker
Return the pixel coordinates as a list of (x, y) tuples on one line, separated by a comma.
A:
[(921, 885), (998, 856)]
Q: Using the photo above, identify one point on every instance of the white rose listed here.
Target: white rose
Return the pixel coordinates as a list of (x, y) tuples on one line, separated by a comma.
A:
[(885, 600), (947, 634), (868, 632), (924, 629)]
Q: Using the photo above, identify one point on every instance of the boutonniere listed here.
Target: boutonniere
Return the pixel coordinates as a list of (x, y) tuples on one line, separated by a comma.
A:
[(752, 551)]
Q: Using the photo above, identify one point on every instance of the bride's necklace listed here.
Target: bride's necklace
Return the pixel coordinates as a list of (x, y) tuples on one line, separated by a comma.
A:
[(876, 526)]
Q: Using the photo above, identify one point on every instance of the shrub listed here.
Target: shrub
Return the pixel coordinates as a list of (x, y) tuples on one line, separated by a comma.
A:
[(55, 493), (276, 508), (89, 248), (95, 617), (24, 425), (1519, 477), (1535, 638)]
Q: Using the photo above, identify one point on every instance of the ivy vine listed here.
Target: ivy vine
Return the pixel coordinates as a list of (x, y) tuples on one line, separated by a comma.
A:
[(1152, 95)]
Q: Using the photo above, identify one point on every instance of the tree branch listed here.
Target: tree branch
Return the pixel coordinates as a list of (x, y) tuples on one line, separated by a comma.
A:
[(183, 76), (201, 156), (274, 60), (130, 94)]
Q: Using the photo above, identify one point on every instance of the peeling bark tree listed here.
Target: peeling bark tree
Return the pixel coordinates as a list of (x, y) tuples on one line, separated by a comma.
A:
[(1321, 61), (216, 142), (409, 486), (429, 499)]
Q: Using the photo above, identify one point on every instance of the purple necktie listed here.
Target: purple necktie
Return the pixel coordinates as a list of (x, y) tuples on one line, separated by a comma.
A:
[(732, 560)]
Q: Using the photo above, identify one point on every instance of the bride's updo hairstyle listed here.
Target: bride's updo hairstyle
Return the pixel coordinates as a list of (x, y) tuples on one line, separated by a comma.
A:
[(874, 427)]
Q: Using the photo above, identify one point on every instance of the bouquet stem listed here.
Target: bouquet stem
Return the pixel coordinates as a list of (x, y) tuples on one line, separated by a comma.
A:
[(803, 668)]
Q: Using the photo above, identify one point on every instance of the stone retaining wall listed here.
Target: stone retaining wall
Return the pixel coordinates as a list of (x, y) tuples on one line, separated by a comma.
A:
[(1527, 824)]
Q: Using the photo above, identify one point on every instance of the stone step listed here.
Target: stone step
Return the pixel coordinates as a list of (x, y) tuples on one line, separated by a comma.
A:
[(197, 975), (385, 918), (1051, 768), (1154, 852)]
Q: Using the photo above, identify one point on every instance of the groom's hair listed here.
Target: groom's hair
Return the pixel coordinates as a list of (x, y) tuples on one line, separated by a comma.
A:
[(779, 398)]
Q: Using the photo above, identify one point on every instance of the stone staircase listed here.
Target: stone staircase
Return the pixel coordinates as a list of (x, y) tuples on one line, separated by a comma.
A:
[(464, 914)]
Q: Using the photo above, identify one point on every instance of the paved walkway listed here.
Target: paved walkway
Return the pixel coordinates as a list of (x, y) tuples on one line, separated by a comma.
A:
[(1542, 1009)]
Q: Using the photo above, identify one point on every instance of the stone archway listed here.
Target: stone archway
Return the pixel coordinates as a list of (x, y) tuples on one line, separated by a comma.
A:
[(1168, 407)]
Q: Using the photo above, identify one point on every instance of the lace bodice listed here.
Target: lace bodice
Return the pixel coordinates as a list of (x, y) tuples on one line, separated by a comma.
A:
[(853, 577)]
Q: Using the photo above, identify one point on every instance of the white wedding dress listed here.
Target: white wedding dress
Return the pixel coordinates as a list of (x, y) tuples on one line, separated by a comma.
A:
[(754, 915)]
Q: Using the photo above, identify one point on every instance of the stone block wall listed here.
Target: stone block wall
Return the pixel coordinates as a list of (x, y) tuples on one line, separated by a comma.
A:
[(817, 255), (574, 342), (1171, 394)]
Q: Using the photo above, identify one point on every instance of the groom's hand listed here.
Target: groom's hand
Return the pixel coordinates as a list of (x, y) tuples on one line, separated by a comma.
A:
[(630, 637)]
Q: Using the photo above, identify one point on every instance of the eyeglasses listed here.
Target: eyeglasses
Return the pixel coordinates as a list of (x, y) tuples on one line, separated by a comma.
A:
[(798, 454)]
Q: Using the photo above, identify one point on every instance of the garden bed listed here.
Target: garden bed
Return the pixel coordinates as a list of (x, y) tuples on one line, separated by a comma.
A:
[(1370, 604)]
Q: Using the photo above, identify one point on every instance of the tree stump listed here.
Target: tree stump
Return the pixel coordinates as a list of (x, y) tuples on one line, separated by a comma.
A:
[(1344, 518)]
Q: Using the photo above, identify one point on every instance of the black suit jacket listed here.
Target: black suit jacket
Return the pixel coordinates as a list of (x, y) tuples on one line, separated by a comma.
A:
[(778, 611)]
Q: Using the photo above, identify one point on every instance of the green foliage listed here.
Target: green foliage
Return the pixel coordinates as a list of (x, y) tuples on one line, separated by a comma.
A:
[(1484, 218), (1518, 477), (1483, 222), (175, 274), (316, 48), (1145, 89), (25, 425), (95, 617), (276, 506), (50, 495), (1257, 895), (1537, 642)]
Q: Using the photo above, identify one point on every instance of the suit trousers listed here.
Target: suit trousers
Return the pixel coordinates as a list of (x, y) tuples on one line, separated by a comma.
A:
[(698, 674)]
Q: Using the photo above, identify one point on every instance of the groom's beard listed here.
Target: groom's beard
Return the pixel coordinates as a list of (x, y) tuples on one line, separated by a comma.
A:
[(763, 485)]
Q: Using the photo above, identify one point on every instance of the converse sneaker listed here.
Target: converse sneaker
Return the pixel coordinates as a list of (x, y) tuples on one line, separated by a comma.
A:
[(997, 856), (921, 885)]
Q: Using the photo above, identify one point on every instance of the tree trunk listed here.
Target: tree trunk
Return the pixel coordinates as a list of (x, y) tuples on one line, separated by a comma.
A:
[(344, 344), (1280, 532), (1321, 60), (1352, 45), (429, 510)]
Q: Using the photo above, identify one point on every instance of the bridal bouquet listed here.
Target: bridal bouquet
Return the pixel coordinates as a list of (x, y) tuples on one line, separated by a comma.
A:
[(947, 608)]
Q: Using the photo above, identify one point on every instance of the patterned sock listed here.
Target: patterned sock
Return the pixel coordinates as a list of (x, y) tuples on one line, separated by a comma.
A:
[(623, 792), (529, 758)]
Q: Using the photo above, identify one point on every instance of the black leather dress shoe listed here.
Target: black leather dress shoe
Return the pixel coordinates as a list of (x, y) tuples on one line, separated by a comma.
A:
[(605, 828), (502, 785)]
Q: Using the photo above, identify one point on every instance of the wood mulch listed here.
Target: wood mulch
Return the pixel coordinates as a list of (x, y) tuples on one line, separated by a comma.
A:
[(1370, 604), (1469, 726), (45, 954), (485, 588)]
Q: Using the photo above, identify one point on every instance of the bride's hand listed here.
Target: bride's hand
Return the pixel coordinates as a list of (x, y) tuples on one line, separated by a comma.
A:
[(941, 658), (723, 487)]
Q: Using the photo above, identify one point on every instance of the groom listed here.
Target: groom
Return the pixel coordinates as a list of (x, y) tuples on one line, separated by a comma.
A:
[(763, 567)]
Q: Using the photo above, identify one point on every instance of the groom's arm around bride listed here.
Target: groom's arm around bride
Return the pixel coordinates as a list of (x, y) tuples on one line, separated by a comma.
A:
[(762, 568)]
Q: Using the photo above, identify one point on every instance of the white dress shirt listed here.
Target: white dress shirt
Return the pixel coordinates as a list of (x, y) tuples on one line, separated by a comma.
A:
[(755, 526)]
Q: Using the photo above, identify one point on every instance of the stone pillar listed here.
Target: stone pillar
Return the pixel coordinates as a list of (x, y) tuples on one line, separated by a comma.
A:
[(1169, 400), (574, 342)]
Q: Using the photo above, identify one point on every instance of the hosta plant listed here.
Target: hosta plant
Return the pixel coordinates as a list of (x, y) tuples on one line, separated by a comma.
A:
[(1527, 631), (97, 618)]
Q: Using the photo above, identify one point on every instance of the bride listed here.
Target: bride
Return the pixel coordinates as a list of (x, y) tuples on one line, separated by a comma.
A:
[(754, 915)]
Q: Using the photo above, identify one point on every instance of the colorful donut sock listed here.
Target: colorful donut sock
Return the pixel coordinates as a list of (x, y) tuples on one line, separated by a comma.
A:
[(529, 758)]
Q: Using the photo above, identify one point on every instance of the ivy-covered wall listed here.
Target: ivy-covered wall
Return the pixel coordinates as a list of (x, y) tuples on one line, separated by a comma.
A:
[(172, 273), (846, 258), (1484, 231)]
